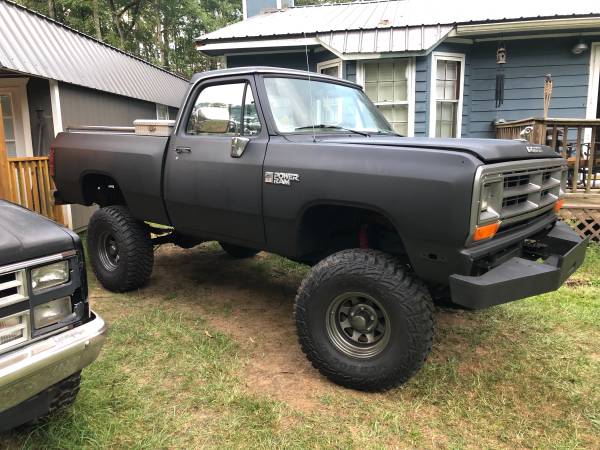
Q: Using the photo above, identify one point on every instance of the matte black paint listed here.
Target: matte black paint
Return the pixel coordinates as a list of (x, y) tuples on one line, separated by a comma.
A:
[(422, 186)]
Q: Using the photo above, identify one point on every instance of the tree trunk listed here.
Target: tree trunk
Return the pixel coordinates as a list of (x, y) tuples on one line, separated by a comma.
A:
[(51, 12), (97, 21)]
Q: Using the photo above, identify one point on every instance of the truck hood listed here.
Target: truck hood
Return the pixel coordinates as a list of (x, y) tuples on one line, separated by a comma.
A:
[(488, 150), (26, 235)]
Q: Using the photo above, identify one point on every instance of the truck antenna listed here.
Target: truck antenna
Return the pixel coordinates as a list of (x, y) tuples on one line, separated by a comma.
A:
[(309, 88)]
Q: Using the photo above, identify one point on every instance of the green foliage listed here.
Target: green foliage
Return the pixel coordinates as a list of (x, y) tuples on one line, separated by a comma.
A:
[(160, 31)]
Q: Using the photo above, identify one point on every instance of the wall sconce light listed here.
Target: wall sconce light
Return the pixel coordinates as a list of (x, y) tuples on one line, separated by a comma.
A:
[(580, 47)]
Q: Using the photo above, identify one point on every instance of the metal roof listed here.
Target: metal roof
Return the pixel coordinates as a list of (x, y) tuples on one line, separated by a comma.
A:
[(34, 44), (387, 26)]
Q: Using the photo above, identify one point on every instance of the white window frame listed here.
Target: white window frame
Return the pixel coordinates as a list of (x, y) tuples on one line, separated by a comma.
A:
[(443, 56), (593, 84), (157, 113), (17, 88), (329, 64), (410, 86)]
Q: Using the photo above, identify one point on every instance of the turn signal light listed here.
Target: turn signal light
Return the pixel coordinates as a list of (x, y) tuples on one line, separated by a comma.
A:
[(486, 231), (559, 204)]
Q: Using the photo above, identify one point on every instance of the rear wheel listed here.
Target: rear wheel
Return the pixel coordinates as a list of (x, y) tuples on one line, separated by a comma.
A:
[(362, 321), (237, 251), (120, 249)]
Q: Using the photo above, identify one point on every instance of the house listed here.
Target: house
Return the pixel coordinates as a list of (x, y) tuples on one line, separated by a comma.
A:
[(53, 77), (431, 66)]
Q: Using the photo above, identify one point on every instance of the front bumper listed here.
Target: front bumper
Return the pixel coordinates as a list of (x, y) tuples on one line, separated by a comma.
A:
[(518, 277), (27, 372)]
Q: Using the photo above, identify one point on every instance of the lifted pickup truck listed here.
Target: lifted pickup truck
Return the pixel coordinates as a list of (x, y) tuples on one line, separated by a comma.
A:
[(305, 166), (47, 332)]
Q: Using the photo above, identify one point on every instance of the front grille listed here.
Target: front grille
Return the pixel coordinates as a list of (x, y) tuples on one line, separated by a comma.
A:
[(12, 288), (516, 191), (529, 190), (14, 330)]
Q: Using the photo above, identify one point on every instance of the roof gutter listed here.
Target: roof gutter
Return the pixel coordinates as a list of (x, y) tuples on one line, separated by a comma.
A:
[(526, 25)]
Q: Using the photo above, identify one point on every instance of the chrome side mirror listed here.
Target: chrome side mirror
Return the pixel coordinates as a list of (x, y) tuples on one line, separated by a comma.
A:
[(238, 146)]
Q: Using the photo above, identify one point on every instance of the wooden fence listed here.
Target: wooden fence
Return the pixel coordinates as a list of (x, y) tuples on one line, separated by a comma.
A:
[(31, 186)]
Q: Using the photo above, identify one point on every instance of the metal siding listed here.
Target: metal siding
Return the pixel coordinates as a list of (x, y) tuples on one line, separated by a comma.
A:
[(396, 14), (81, 106), (33, 44), (295, 60), (528, 62)]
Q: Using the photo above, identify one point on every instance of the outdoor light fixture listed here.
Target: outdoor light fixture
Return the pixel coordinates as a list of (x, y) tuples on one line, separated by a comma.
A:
[(580, 47)]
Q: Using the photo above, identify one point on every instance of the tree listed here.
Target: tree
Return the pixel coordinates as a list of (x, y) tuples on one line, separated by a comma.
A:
[(160, 31)]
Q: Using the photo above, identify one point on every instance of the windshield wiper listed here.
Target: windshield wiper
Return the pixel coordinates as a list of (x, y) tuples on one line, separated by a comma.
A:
[(332, 127)]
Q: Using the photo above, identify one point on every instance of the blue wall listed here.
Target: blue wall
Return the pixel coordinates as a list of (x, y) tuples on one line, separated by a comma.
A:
[(528, 63), (529, 60)]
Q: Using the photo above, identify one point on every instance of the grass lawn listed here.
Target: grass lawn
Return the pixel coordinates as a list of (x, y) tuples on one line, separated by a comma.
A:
[(206, 356)]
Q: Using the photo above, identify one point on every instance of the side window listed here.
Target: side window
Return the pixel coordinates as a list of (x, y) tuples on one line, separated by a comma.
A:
[(251, 120), (222, 109)]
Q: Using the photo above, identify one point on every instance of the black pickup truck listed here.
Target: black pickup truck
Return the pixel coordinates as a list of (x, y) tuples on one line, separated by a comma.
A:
[(305, 166)]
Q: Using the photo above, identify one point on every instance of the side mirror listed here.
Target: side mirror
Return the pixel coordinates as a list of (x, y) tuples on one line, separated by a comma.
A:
[(238, 146)]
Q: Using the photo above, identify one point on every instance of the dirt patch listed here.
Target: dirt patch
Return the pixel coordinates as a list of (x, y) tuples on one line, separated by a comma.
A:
[(252, 302)]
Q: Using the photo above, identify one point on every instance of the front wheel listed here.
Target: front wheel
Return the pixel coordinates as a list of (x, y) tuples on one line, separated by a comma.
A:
[(120, 249), (362, 321)]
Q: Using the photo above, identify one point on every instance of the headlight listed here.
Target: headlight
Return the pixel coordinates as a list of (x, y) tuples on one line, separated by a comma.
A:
[(51, 312), (49, 276), (490, 202)]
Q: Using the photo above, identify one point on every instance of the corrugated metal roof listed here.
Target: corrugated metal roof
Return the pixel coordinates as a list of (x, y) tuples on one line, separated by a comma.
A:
[(33, 44), (415, 16)]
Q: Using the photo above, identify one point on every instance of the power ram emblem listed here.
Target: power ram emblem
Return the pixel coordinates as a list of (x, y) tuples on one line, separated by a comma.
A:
[(282, 178)]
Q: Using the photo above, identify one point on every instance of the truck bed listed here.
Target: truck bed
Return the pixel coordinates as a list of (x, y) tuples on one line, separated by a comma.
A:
[(121, 154)]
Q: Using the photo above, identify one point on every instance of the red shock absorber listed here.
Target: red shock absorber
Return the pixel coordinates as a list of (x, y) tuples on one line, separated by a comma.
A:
[(363, 237)]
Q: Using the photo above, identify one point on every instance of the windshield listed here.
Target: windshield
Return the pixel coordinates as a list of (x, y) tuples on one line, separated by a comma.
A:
[(298, 105)]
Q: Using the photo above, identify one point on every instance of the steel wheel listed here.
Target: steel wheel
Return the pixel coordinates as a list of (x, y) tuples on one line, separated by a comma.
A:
[(108, 250), (358, 325)]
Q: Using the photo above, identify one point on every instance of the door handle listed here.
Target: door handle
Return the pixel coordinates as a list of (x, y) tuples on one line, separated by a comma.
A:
[(180, 150)]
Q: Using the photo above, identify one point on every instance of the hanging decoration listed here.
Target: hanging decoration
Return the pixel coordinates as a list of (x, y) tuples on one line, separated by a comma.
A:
[(501, 58), (548, 86)]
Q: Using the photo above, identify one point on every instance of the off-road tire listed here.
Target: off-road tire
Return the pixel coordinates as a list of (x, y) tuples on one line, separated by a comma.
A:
[(405, 299), (135, 250), (236, 251)]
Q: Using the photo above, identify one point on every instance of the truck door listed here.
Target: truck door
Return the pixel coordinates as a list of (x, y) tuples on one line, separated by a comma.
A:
[(213, 166)]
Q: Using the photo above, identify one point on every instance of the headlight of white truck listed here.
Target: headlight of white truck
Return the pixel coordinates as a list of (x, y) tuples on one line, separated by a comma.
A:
[(52, 312), (49, 276)]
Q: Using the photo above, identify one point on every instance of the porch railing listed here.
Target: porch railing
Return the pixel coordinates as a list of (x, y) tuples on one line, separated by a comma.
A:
[(577, 140), (31, 186)]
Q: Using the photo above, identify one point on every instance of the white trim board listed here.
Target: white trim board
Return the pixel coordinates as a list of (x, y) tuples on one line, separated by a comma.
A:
[(412, 74), (435, 56), (594, 83)]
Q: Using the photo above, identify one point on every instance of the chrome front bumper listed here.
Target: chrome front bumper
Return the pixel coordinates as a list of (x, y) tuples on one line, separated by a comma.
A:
[(27, 372)]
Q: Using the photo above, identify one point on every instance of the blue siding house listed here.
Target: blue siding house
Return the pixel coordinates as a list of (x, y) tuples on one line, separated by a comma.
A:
[(434, 68)]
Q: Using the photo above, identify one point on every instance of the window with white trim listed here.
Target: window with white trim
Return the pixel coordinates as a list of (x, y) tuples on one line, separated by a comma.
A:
[(8, 120), (162, 112), (390, 85), (331, 68), (447, 92)]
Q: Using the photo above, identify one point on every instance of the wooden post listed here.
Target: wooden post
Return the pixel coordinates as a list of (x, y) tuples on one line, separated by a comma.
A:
[(4, 168)]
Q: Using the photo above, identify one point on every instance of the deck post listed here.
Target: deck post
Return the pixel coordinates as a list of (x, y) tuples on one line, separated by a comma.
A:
[(4, 169)]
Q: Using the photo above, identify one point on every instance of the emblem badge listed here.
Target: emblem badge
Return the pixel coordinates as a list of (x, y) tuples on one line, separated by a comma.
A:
[(282, 178), (534, 148)]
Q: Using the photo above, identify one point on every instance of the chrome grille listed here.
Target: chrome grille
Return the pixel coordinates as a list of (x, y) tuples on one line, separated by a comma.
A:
[(516, 191), (14, 330), (12, 288)]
